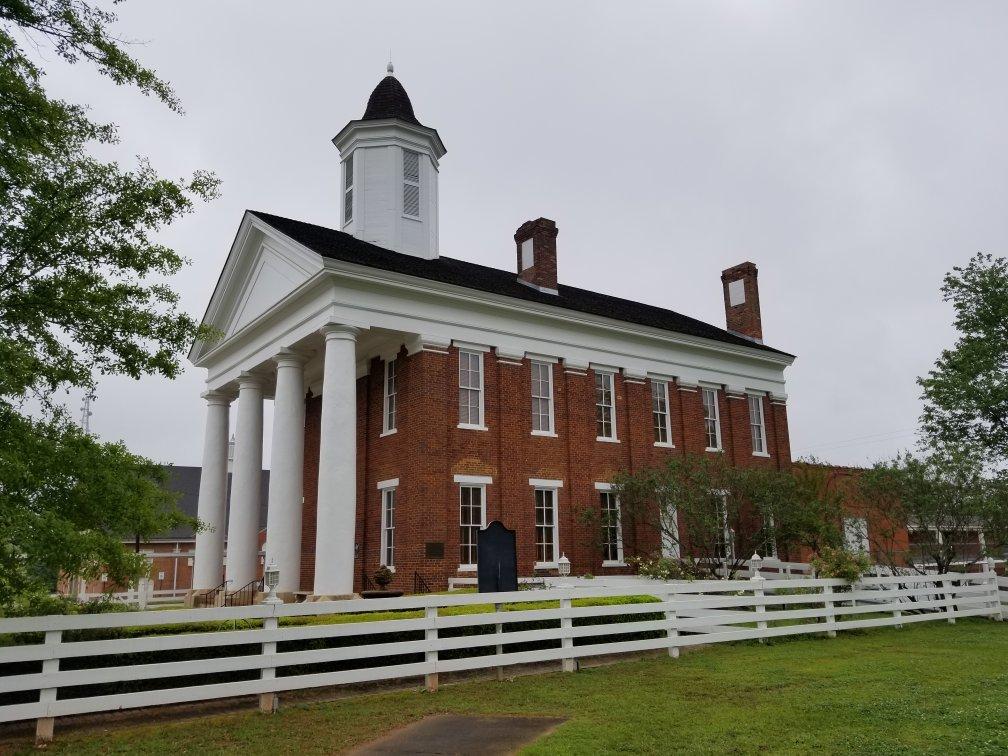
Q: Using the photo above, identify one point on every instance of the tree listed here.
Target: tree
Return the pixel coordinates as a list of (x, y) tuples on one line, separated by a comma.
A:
[(966, 393), (83, 292), (955, 512), (703, 509)]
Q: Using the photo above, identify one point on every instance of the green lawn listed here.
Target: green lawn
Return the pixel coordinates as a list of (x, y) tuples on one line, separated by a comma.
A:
[(928, 688)]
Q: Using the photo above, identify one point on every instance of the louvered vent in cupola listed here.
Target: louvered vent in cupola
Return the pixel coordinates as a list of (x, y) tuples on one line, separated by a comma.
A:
[(411, 183), (348, 189)]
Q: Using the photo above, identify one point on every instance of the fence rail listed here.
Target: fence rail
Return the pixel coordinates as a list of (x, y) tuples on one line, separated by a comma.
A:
[(434, 633)]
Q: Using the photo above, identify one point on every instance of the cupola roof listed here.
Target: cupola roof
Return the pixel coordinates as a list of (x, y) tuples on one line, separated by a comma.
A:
[(389, 100)]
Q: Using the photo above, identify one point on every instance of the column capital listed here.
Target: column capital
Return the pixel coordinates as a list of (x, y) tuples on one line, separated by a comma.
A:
[(217, 398), (289, 358), (338, 331), (249, 380)]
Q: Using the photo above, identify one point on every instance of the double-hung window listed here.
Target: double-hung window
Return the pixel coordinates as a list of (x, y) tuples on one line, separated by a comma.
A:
[(756, 424), (605, 407), (660, 413), (726, 539), (348, 189), (542, 399), (389, 415), (470, 389), (472, 509), (411, 184), (546, 533), (612, 530), (387, 490), (712, 419)]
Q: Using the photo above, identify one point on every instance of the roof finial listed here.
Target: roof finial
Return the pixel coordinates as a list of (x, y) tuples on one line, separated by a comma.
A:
[(389, 69)]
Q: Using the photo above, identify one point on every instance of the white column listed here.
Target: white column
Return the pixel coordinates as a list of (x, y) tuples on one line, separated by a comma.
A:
[(246, 484), (283, 523), (211, 507), (337, 479)]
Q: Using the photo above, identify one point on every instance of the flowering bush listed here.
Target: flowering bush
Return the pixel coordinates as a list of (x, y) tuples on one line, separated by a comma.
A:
[(664, 568), (834, 562)]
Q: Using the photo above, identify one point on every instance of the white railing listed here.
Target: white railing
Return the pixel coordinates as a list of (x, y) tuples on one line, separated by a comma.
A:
[(434, 634), (1002, 583)]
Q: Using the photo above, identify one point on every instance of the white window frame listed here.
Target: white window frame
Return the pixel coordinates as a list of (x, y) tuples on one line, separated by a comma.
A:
[(757, 425), (553, 488), (481, 420), (389, 494), (607, 376), (478, 482), (390, 390), (548, 398), (348, 188), (863, 545), (727, 534), (410, 182), (716, 418), (606, 488), (664, 396)]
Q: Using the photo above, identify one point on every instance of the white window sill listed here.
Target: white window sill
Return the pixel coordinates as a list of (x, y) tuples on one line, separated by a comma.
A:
[(761, 454), (389, 432), (467, 426), (391, 567), (664, 444), (607, 440), (467, 568), (545, 434), (614, 564), (545, 565), (411, 217), (713, 449)]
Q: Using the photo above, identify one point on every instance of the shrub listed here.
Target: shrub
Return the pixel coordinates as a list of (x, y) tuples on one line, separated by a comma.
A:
[(833, 562), (664, 568), (383, 576)]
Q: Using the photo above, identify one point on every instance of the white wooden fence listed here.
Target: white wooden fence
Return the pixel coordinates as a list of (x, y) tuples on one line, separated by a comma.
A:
[(1003, 589), (434, 635)]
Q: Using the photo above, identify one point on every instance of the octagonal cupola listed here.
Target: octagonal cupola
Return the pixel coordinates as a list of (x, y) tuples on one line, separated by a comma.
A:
[(389, 178)]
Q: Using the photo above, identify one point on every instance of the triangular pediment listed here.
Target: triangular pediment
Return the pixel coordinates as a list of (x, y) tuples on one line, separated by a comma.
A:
[(263, 268)]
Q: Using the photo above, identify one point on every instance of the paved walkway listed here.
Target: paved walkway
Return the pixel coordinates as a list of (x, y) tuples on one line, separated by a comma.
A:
[(456, 734)]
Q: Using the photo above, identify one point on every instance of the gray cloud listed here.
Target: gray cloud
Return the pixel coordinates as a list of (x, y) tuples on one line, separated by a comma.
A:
[(852, 150)]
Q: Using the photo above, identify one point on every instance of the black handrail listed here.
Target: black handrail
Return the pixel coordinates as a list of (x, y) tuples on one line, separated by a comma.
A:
[(420, 585), (204, 600), (366, 584), (244, 596)]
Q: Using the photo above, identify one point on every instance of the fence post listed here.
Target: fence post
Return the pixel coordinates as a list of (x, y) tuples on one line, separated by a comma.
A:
[(269, 702), (500, 646), (830, 611), (672, 619), (431, 634), (992, 580), (44, 725), (897, 613), (566, 640), (949, 600), (758, 595)]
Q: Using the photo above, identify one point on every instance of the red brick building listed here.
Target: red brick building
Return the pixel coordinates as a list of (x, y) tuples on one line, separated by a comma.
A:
[(417, 397)]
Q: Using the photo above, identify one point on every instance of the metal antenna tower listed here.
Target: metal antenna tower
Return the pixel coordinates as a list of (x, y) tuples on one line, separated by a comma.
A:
[(86, 410)]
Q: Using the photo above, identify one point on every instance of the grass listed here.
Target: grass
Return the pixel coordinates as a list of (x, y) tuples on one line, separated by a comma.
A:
[(928, 688)]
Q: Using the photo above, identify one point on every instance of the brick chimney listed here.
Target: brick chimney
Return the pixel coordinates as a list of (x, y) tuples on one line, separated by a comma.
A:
[(536, 246), (741, 301)]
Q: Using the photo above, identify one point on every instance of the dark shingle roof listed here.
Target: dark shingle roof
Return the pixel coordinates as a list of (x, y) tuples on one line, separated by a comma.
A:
[(185, 481), (389, 100), (342, 246)]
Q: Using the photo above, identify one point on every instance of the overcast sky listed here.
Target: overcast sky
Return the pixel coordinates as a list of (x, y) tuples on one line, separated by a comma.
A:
[(853, 151)]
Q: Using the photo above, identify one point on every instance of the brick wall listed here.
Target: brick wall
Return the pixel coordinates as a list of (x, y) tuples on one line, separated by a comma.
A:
[(428, 450)]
